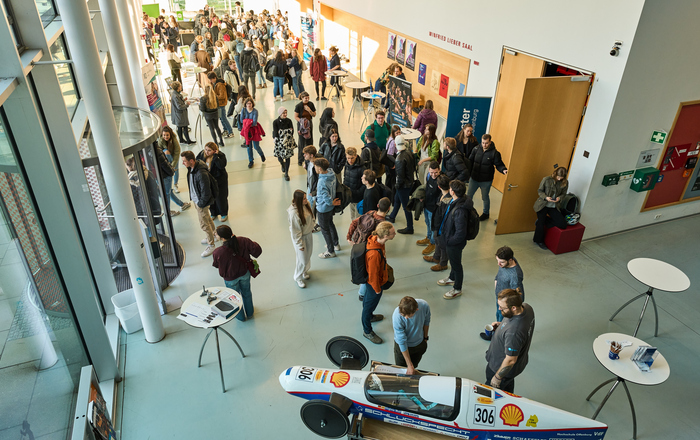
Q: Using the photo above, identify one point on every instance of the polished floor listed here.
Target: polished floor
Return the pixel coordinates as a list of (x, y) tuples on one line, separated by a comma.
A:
[(165, 395)]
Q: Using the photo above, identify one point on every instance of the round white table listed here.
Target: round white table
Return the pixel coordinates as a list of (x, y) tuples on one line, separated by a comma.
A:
[(625, 370), (658, 275), (339, 75), (214, 324), (410, 134), (355, 85), (371, 108)]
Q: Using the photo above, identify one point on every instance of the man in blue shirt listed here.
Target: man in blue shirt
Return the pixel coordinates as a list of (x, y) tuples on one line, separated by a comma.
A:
[(509, 276), (411, 321)]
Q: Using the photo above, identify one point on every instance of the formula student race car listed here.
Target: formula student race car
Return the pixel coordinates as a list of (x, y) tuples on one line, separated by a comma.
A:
[(450, 406)]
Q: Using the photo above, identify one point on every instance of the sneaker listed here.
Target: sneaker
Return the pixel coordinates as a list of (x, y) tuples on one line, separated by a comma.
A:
[(484, 337), (229, 135), (250, 164), (286, 177), (225, 134), (224, 218), (543, 246), (336, 247), (174, 213), (438, 268), (317, 98), (427, 251), (327, 255), (204, 241), (376, 318), (282, 99), (373, 337), (221, 145), (483, 217), (208, 251), (423, 242), (323, 98), (214, 217), (430, 259), (405, 231), (301, 284), (306, 276), (176, 190), (452, 294), (389, 219), (445, 282), (185, 206)]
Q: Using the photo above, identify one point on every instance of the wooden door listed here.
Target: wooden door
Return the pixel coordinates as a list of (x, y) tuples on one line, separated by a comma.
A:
[(545, 135), (516, 68)]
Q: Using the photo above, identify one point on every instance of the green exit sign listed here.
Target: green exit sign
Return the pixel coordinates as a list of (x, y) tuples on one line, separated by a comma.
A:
[(658, 137)]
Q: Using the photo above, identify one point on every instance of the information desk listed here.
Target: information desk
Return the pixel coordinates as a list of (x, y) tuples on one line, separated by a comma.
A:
[(656, 275), (215, 324), (625, 370)]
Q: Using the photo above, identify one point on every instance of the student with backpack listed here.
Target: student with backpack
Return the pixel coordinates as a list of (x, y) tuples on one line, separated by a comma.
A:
[(203, 192), (440, 255), (371, 154), (222, 92), (304, 112), (249, 66), (377, 277), (325, 205), (352, 177), (405, 170)]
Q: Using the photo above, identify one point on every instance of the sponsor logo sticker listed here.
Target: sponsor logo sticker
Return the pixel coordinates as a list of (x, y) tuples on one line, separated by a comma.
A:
[(340, 379), (532, 421), (485, 400), (511, 415)]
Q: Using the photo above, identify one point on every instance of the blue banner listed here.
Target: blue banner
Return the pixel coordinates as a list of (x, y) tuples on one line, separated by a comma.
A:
[(467, 110)]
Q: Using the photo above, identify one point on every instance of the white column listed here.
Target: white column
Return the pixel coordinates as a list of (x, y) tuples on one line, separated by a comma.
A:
[(86, 61), (132, 52), (137, 20), (117, 52)]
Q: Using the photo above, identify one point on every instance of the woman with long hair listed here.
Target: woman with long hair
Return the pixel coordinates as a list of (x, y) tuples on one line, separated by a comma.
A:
[(334, 151), (283, 135), (280, 64), (301, 225), (215, 159), (466, 141), (550, 192), (243, 94), (210, 111), (174, 62), (326, 124), (425, 117), (295, 63), (253, 141), (231, 258), (428, 149), (178, 114), (170, 147), (262, 59), (318, 67), (335, 65)]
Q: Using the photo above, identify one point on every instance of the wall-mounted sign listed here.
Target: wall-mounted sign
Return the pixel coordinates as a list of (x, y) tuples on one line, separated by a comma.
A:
[(647, 158), (450, 40), (658, 137)]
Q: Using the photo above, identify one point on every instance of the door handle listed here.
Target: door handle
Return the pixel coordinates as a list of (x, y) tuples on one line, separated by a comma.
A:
[(511, 186)]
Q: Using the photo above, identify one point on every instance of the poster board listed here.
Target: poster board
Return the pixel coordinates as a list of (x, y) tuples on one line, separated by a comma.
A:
[(399, 93), (468, 110)]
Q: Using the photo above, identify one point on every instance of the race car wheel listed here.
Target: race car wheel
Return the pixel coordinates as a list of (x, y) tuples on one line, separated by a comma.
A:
[(325, 419), (347, 353)]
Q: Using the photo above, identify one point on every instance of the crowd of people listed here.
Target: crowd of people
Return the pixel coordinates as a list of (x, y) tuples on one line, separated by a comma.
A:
[(387, 174)]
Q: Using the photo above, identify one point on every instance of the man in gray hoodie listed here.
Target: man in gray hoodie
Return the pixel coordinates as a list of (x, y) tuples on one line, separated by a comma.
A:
[(325, 204)]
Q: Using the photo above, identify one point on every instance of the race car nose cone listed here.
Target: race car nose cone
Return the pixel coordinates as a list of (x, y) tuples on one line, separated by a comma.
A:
[(286, 378)]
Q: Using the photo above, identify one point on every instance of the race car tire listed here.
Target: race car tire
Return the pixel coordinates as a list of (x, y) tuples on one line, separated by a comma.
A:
[(326, 418), (347, 353)]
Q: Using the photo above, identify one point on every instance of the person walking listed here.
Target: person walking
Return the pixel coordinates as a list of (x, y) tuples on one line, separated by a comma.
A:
[(453, 228), (209, 107), (167, 153), (428, 150), (352, 178), (405, 170), (507, 355), (325, 205), (283, 135), (232, 259), (301, 225), (362, 227), (432, 198), (378, 275), (509, 276), (231, 78), (551, 190), (295, 66), (278, 74), (251, 131), (318, 67), (482, 162), (249, 66), (219, 86), (334, 151), (174, 62), (202, 194), (411, 322), (454, 165), (440, 255), (179, 116), (304, 110), (215, 159)]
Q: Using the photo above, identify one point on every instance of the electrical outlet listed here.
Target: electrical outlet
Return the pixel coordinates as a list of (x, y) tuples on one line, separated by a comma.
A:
[(657, 216)]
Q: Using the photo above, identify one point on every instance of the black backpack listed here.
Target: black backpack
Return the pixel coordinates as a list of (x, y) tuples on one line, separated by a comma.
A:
[(343, 193), (358, 266), (253, 65), (385, 191), (472, 224)]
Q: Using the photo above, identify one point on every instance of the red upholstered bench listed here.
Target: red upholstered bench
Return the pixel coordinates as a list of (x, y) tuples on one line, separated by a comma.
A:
[(561, 241)]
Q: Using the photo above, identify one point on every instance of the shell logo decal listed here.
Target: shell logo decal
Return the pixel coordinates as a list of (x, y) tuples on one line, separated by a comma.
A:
[(511, 415), (341, 378)]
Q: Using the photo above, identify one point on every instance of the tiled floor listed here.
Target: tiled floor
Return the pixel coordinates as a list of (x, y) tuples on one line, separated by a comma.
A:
[(165, 395)]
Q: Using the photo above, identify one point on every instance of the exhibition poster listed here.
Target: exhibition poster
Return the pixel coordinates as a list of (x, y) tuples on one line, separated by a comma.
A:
[(401, 50), (464, 110), (391, 48), (400, 95), (435, 81), (411, 56), (421, 73), (150, 83), (444, 84)]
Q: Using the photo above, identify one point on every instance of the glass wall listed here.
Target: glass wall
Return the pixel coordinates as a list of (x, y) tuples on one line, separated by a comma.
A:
[(41, 353), (47, 11), (64, 72)]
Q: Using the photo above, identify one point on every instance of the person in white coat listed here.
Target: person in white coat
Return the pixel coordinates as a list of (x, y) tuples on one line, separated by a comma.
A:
[(301, 225)]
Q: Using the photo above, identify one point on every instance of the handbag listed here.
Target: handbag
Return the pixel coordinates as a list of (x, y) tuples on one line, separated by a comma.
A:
[(304, 67), (252, 265)]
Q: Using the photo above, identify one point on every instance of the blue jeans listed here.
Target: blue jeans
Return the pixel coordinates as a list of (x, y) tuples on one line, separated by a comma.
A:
[(224, 119), (363, 290), (256, 145), (485, 188), (237, 59), (369, 305), (259, 76), (401, 199), (168, 185), (295, 84), (429, 223), (242, 286), (279, 86)]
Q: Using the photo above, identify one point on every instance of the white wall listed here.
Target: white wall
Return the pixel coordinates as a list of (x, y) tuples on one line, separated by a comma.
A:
[(662, 71)]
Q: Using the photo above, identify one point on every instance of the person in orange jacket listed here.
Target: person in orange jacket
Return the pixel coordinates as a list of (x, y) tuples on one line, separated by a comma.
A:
[(378, 275)]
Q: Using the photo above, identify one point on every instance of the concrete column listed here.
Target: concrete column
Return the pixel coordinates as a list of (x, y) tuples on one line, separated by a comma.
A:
[(132, 52), (137, 20), (117, 51), (76, 20)]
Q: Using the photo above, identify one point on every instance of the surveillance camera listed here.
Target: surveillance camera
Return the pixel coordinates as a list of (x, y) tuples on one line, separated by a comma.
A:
[(615, 51)]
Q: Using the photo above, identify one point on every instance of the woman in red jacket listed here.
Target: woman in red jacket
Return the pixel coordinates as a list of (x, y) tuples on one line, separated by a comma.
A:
[(318, 69)]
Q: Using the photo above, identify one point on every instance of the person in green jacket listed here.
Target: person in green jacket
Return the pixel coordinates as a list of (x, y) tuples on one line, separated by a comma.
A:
[(428, 150), (382, 131)]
